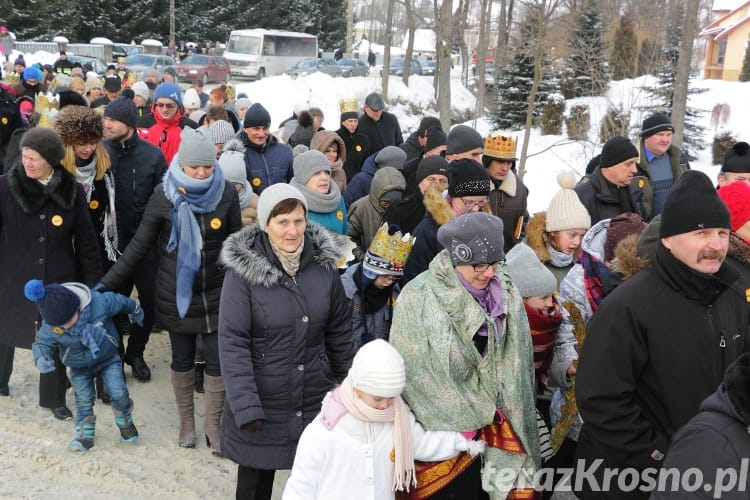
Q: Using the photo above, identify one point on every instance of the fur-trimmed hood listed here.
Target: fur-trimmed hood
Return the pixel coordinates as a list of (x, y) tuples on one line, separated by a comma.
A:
[(739, 249), (626, 261), (535, 230), (32, 195), (439, 207), (245, 255)]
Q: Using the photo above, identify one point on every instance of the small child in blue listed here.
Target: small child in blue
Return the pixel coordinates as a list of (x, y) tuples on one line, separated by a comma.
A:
[(78, 322)]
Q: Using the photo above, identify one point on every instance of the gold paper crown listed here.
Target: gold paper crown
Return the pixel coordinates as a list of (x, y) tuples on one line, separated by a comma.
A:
[(44, 103), (230, 92), (388, 252), (12, 78), (349, 106), (500, 147)]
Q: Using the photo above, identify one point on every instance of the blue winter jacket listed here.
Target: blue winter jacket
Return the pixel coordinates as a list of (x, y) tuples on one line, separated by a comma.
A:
[(269, 164), (337, 220), (360, 183), (72, 352)]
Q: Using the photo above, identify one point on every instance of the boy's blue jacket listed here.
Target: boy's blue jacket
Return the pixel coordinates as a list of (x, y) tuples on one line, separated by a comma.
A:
[(72, 352)]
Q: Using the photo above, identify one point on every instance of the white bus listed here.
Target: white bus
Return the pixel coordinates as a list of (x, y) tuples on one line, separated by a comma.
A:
[(255, 53)]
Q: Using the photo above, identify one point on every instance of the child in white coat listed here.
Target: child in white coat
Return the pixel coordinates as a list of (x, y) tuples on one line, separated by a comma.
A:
[(364, 442)]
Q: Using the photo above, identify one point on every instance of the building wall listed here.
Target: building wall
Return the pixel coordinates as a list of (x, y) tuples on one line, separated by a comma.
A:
[(735, 53)]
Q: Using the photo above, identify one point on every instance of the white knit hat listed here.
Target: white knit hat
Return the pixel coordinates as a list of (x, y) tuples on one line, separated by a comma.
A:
[(191, 100), (271, 196), (565, 210), (140, 89), (378, 369), (531, 277)]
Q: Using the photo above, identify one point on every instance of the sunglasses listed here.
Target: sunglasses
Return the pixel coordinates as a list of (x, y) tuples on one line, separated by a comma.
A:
[(168, 105)]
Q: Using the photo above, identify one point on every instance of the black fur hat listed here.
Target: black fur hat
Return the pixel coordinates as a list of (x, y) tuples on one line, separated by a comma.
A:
[(737, 385)]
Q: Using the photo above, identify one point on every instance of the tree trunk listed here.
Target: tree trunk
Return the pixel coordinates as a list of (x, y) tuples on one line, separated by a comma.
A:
[(484, 43), (387, 49), (504, 22), (444, 64), (682, 72), (412, 28)]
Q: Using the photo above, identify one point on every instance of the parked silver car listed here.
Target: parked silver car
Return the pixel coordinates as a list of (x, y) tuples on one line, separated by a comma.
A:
[(313, 65)]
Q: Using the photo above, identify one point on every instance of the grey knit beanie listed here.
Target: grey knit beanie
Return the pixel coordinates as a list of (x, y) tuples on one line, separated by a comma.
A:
[(196, 147), (308, 164), (271, 196), (462, 138), (232, 162), (391, 156), (531, 277), (473, 238)]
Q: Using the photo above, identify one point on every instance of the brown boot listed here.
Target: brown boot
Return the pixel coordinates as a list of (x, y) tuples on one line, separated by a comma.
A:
[(182, 383), (214, 387)]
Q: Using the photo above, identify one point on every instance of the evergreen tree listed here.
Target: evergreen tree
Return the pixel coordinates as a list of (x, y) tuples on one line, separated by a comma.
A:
[(516, 78), (745, 72), (624, 48), (648, 57), (587, 51)]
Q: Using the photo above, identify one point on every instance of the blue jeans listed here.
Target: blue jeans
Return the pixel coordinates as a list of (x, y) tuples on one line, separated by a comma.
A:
[(110, 371)]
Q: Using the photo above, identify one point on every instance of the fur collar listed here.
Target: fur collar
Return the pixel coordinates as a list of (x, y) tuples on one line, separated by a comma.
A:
[(32, 195), (509, 185), (535, 230), (739, 249), (439, 208), (626, 261), (244, 256)]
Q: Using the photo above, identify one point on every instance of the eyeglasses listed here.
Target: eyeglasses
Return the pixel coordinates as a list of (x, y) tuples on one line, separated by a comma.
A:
[(480, 268), (473, 204), (168, 105)]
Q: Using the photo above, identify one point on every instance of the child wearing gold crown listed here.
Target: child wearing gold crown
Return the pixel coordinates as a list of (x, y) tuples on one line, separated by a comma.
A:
[(371, 284)]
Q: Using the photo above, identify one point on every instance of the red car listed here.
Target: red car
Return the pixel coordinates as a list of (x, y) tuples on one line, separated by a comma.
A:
[(202, 67)]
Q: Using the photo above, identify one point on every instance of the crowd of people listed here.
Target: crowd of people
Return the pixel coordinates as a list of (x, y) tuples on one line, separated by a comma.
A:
[(463, 337)]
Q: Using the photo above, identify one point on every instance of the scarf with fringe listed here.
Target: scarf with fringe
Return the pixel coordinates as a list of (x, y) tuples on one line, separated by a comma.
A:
[(189, 196), (86, 176)]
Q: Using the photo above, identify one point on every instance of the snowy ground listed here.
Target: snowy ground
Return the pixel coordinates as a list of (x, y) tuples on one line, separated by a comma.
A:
[(34, 461)]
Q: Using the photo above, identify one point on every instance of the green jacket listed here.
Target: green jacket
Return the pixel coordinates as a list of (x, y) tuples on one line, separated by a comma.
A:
[(449, 385)]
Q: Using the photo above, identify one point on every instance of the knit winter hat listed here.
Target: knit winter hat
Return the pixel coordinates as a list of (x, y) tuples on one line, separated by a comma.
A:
[(140, 89), (737, 159), (32, 73), (462, 138), (391, 156), (232, 162), (565, 210), (531, 277), (308, 164), (79, 125), (70, 98), (473, 238), (657, 122), (692, 204), (241, 103), (737, 385), (123, 110), (19, 61), (620, 227), (435, 137), (299, 149), (736, 196), (170, 91), (427, 123), (93, 82), (112, 83), (221, 131), (271, 196), (196, 147), (45, 142), (432, 165), (378, 370), (592, 164), (155, 74), (467, 177), (617, 150), (56, 303), (388, 252), (257, 116), (191, 100)]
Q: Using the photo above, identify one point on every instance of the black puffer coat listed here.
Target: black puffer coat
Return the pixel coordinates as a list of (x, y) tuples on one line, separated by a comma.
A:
[(45, 233), (156, 226), (283, 343)]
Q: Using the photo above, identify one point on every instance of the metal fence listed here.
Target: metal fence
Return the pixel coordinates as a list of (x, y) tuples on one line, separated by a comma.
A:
[(80, 49), (32, 47)]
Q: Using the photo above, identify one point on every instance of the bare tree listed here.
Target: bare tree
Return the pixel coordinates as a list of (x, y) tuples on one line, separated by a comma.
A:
[(682, 72), (412, 28), (484, 28), (387, 49), (444, 63), (504, 23), (544, 9)]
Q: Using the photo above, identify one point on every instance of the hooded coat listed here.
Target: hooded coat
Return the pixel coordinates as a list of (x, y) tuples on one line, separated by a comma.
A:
[(320, 141), (154, 231), (366, 214), (359, 186), (283, 343), (661, 341), (45, 233)]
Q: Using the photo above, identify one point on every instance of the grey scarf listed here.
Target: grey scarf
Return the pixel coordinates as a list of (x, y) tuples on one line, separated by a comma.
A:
[(316, 202), (86, 175)]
